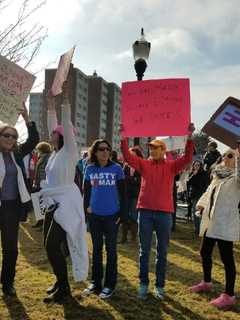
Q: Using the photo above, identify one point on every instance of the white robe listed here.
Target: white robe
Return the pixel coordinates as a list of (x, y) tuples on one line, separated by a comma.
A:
[(59, 186)]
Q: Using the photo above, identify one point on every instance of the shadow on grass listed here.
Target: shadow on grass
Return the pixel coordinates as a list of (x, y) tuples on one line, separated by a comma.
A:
[(31, 246), (178, 311), (126, 303), (73, 311), (15, 308)]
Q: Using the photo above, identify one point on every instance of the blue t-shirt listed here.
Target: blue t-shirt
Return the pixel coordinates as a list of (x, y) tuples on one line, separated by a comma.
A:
[(104, 199)]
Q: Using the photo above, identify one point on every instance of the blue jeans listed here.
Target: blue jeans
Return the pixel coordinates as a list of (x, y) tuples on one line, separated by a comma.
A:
[(104, 228), (161, 222)]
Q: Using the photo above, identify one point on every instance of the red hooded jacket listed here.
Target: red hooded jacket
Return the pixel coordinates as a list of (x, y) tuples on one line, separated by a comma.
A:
[(156, 191)]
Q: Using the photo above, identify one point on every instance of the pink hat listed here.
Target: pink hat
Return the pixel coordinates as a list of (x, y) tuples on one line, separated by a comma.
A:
[(59, 129)]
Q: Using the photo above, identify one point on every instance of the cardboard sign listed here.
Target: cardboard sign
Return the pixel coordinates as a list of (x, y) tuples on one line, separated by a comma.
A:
[(224, 125), (15, 85), (62, 72), (155, 108), (36, 206), (175, 143)]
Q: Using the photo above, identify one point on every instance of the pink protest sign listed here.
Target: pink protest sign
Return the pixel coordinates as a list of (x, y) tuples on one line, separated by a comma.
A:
[(155, 108), (15, 85), (224, 125), (62, 72)]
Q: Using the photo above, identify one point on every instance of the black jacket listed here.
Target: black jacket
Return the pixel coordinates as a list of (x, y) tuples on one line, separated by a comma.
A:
[(197, 184), (210, 158), (23, 150)]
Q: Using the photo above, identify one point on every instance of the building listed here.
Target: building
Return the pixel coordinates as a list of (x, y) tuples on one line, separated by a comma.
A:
[(95, 106), (36, 110), (78, 99), (114, 117), (103, 111)]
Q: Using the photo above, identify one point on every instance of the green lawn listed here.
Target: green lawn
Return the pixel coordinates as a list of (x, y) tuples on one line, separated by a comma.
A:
[(184, 269)]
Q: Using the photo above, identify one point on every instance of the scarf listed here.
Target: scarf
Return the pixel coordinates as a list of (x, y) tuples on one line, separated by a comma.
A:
[(222, 172)]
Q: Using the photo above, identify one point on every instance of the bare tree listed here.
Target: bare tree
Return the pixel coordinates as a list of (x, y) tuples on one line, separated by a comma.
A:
[(20, 41)]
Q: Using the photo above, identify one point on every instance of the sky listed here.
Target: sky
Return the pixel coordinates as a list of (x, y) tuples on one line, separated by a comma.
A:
[(193, 39)]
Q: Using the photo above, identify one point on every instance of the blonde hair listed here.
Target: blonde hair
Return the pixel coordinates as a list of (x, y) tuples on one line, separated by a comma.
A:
[(44, 147)]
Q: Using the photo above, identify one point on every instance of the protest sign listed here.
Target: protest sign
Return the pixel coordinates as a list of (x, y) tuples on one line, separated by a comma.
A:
[(62, 72), (36, 206), (224, 125), (174, 143), (15, 85), (155, 108)]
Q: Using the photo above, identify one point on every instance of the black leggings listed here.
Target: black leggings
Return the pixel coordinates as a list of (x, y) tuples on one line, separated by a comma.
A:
[(226, 253), (9, 226), (54, 242)]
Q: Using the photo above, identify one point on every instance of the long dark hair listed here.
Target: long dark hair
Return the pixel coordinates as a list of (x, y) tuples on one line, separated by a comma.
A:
[(60, 141), (94, 148), (200, 168)]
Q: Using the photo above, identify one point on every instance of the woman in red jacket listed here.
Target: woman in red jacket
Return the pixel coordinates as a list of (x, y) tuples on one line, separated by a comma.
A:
[(155, 205)]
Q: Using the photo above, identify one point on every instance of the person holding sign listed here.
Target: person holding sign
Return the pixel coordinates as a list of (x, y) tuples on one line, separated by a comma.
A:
[(62, 201), (13, 195), (221, 224), (155, 205)]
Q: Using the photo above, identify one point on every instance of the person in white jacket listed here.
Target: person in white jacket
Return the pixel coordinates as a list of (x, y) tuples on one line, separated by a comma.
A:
[(64, 219), (220, 223)]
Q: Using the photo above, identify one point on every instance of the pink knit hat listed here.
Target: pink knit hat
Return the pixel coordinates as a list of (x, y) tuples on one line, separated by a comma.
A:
[(59, 129)]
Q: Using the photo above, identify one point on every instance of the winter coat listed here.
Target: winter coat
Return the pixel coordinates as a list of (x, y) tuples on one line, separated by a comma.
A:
[(17, 157), (156, 192), (197, 184), (222, 221)]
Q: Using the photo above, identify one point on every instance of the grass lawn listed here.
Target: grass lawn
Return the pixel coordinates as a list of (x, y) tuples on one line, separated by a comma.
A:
[(184, 269)]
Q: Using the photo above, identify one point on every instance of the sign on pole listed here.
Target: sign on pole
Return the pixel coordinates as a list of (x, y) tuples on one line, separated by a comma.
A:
[(62, 72), (155, 108), (224, 125), (15, 85)]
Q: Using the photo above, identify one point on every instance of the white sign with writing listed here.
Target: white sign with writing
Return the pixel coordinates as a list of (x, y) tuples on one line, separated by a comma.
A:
[(15, 85), (229, 119)]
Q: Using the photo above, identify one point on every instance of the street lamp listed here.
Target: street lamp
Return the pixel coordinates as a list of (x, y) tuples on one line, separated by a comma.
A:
[(141, 50)]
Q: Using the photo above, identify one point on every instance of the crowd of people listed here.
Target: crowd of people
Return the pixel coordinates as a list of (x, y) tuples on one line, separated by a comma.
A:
[(102, 192)]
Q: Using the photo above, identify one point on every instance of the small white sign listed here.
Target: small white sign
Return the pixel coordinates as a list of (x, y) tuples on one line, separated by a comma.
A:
[(175, 142), (36, 206)]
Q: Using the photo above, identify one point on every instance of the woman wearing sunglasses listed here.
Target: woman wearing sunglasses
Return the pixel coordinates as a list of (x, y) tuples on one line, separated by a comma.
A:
[(105, 205), (13, 195), (220, 224)]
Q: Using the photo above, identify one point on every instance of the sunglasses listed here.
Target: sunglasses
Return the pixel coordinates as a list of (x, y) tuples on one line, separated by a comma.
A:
[(104, 149), (9, 135), (229, 155)]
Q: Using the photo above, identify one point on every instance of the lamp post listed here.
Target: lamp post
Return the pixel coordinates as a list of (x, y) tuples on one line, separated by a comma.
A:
[(141, 50)]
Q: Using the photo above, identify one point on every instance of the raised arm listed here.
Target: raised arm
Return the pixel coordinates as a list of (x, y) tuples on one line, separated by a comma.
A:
[(51, 114), (181, 162), (68, 130), (134, 161), (33, 136)]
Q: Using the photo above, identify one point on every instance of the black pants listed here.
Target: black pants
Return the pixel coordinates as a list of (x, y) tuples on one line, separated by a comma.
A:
[(54, 242), (104, 228), (226, 253), (9, 226)]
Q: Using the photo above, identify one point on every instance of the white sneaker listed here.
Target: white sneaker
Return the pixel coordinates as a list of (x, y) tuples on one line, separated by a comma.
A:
[(106, 293)]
